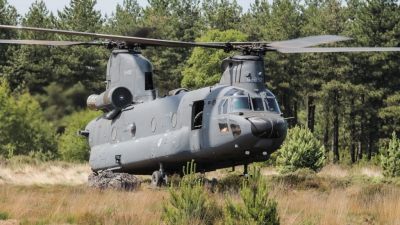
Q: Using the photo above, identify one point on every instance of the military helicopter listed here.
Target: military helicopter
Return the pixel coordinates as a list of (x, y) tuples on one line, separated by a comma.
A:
[(235, 122)]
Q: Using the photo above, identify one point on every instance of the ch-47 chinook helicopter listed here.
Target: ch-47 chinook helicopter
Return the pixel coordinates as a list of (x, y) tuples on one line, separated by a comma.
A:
[(235, 122)]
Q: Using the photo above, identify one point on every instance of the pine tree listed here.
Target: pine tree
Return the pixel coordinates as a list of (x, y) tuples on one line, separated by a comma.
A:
[(222, 14), (391, 158), (85, 64), (204, 66), (282, 70), (375, 23), (126, 18), (172, 20), (8, 16), (259, 207), (31, 66), (301, 150)]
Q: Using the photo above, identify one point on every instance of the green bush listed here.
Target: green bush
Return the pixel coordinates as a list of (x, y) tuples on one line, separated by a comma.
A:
[(258, 207), (71, 147), (230, 183), (301, 150), (4, 215), (190, 203), (23, 127), (390, 160)]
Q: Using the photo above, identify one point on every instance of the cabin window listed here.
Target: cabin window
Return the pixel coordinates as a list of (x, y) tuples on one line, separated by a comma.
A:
[(174, 120), (133, 129), (148, 82), (197, 115), (153, 124), (223, 125), (236, 130)]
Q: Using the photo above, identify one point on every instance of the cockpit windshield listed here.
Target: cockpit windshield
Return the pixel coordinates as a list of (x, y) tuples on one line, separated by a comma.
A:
[(240, 103), (257, 104)]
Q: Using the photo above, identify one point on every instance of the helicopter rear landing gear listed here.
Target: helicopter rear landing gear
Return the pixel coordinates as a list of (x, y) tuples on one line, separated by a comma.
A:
[(159, 178)]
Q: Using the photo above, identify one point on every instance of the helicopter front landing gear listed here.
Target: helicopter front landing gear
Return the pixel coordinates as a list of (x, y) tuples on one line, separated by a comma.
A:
[(245, 170), (160, 177)]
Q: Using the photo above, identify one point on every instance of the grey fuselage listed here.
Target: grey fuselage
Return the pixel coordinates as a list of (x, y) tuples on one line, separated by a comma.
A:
[(234, 122)]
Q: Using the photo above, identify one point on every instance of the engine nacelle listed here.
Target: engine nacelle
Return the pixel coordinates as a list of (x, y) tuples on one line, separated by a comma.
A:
[(114, 98)]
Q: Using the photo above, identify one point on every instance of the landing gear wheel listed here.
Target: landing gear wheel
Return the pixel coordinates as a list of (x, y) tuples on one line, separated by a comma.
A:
[(156, 179)]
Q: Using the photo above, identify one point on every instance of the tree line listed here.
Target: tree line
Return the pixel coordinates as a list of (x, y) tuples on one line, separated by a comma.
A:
[(350, 101)]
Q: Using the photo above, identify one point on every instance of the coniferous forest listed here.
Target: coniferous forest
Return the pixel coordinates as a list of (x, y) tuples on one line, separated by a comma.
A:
[(349, 101)]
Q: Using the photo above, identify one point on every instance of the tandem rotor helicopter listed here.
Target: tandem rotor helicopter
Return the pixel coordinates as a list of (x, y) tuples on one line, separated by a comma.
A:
[(235, 122)]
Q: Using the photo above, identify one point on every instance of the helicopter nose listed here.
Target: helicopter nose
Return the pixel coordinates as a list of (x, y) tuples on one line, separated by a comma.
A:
[(268, 127)]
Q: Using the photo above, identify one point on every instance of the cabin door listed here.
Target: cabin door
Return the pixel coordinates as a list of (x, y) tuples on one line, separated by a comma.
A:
[(196, 133)]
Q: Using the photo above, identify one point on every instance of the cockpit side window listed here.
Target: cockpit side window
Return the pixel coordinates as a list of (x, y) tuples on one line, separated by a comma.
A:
[(221, 103), (225, 107), (272, 105), (149, 85), (240, 103), (257, 104)]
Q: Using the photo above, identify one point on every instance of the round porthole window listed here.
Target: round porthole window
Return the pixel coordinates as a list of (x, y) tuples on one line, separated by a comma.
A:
[(133, 129), (174, 120), (153, 124)]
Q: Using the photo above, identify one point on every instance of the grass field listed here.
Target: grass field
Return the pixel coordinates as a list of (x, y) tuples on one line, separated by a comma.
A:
[(54, 193)]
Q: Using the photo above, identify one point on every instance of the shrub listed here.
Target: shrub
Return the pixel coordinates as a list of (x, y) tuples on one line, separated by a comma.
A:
[(258, 207), (73, 148), (23, 127), (4, 215), (391, 159), (190, 203), (301, 150), (231, 183)]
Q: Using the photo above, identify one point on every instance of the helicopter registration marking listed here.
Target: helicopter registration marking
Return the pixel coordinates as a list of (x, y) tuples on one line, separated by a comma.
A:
[(128, 72), (254, 79)]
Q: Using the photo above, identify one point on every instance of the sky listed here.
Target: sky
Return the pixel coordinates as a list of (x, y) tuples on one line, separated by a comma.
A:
[(105, 6)]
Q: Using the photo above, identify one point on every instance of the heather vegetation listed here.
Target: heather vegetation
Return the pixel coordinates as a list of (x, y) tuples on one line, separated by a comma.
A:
[(34, 192)]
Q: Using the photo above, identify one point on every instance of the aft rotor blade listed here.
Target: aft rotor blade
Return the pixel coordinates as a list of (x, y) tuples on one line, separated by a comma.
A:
[(344, 49), (149, 41), (38, 42)]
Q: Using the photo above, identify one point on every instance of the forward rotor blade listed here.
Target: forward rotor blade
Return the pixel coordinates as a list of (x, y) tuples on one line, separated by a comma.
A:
[(38, 42), (149, 41), (308, 41), (294, 43), (344, 49)]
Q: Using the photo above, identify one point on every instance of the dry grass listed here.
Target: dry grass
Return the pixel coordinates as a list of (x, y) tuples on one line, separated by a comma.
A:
[(334, 170), (60, 204), (55, 194), (337, 206), (47, 173)]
